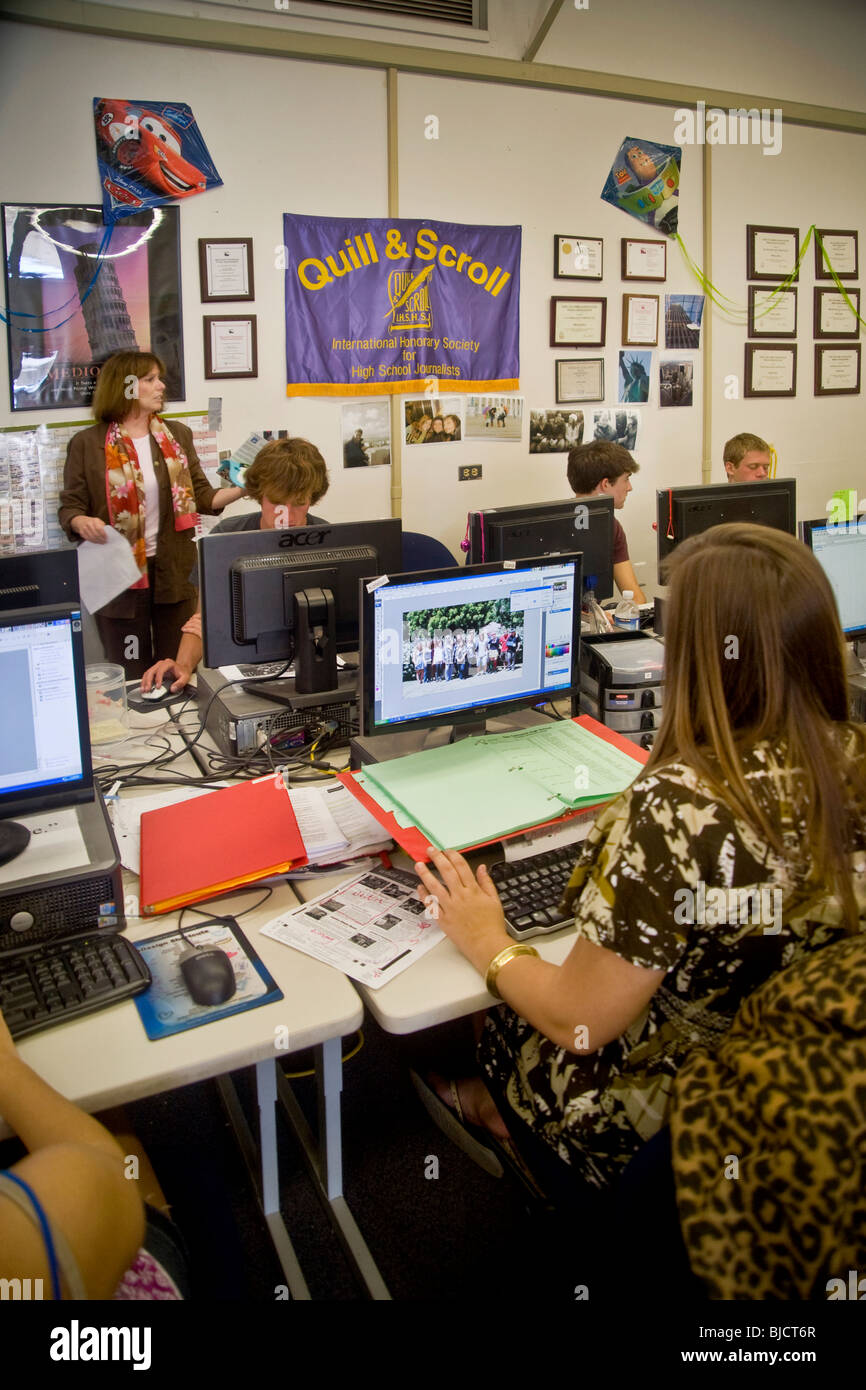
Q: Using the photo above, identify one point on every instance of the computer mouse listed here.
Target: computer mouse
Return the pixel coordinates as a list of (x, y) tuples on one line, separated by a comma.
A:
[(158, 692), (208, 975)]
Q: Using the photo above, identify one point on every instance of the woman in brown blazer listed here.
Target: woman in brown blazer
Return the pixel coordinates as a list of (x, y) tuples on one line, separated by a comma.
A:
[(137, 473)]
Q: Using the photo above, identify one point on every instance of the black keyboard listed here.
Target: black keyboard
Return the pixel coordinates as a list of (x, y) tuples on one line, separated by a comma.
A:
[(66, 979), (530, 891)]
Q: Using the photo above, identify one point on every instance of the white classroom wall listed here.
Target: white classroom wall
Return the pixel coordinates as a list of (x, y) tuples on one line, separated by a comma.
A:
[(310, 137)]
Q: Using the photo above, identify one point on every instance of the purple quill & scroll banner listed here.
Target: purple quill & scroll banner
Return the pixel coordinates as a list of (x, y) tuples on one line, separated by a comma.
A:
[(392, 305)]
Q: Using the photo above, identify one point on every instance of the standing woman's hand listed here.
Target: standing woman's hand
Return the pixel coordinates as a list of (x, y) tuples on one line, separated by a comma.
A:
[(89, 528)]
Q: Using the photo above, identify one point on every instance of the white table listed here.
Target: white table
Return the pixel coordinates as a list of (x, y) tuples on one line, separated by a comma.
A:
[(106, 1059)]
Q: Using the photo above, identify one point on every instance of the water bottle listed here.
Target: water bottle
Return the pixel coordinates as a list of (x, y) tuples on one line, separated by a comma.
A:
[(596, 620), (626, 615)]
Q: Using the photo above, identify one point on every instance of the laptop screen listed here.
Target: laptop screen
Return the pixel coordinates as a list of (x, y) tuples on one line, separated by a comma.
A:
[(44, 734)]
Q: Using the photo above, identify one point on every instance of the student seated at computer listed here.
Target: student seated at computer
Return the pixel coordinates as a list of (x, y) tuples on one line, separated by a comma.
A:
[(739, 847), (605, 468), (747, 459), (287, 477), (74, 1173)]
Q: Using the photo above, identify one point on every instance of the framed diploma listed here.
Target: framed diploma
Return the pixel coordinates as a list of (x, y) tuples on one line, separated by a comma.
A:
[(640, 320), (577, 257), (644, 260), (230, 346), (837, 369), (578, 322), (579, 379), (771, 370), (772, 313), (841, 252), (833, 318), (225, 268), (771, 252)]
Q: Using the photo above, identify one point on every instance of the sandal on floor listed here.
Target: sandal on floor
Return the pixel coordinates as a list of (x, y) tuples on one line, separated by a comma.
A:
[(476, 1143), (492, 1154)]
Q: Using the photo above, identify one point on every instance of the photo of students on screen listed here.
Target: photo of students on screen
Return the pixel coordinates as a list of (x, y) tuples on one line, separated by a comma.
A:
[(456, 651)]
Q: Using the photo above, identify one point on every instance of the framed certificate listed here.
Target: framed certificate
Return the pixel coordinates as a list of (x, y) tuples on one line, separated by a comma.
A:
[(577, 257), (578, 322), (833, 318), (771, 252), (225, 268), (640, 320), (230, 346), (841, 251), (579, 379), (771, 370), (772, 313), (837, 369), (644, 260)]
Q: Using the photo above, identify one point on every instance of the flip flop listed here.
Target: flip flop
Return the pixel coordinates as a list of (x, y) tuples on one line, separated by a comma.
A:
[(492, 1154), (466, 1136)]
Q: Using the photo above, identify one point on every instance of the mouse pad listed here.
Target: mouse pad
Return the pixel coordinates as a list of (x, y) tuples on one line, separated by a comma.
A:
[(167, 1008)]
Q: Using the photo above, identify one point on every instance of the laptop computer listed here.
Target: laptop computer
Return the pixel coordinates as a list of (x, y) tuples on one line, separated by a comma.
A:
[(66, 878)]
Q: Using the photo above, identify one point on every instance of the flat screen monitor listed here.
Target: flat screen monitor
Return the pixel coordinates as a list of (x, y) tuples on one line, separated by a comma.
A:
[(45, 757), (688, 511), (840, 549), (549, 528), (458, 646), (250, 581), (39, 577)]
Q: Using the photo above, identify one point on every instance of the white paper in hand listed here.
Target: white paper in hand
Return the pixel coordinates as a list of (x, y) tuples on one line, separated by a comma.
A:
[(105, 570)]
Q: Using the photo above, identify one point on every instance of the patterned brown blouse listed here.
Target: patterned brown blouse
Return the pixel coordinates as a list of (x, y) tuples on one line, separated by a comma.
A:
[(669, 878)]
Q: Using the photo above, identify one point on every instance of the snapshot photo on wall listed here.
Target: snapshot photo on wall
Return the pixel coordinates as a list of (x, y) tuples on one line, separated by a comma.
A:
[(683, 314), (433, 420), (675, 383), (366, 432), (78, 291), (634, 376), (497, 419), (554, 431), (616, 426)]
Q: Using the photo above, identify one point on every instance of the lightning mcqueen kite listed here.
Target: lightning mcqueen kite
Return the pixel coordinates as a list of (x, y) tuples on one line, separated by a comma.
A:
[(146, 150)]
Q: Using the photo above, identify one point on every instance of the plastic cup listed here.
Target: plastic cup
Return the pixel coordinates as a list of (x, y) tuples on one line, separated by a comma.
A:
[(106, 703)]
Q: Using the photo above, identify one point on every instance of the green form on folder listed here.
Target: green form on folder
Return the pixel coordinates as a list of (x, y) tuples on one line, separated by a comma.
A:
[(479, 789)]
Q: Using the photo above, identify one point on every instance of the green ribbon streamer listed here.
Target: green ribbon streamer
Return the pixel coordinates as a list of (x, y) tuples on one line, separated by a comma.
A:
[(738, 313)]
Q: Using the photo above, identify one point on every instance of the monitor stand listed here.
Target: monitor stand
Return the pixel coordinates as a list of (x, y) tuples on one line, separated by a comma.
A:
[(14, 839), (381, 748)]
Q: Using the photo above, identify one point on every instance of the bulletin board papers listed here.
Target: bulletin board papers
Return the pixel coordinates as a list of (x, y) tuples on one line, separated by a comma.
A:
[(372, 928), (166, 1007)]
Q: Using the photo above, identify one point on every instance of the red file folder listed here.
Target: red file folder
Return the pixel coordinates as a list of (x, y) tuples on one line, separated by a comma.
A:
[(415, 842), (201, 848)]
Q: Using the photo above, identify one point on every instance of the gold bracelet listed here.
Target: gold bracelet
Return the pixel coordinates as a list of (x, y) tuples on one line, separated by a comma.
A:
[(502, 958)]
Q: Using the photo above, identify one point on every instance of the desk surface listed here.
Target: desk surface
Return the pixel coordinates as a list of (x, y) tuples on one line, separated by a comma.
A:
[(107, 1058)]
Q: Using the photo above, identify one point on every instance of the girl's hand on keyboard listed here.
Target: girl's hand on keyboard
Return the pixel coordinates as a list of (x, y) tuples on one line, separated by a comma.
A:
[(466, 906)]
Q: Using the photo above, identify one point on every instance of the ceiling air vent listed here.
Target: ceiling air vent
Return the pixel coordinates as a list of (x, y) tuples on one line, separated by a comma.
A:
[(469, 13)]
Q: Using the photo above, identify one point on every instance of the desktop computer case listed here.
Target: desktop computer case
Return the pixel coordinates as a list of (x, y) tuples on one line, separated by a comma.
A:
[(87, 897)]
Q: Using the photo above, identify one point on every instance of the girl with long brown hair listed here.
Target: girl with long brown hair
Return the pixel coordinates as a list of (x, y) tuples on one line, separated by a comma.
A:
[(740, 847)]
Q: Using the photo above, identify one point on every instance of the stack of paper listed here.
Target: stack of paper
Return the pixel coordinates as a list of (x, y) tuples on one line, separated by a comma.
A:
[(334, 825)]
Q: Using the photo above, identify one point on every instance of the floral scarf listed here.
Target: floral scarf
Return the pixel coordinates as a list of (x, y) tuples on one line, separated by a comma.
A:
[(124, 485)]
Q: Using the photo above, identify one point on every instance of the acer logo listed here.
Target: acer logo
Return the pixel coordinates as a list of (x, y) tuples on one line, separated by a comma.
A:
[(302, 538)]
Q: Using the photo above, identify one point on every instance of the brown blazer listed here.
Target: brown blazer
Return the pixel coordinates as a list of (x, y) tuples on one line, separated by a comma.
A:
[(84, 495)]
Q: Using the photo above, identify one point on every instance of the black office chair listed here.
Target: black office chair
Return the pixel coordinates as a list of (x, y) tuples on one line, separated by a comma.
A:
[(422, 552)]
